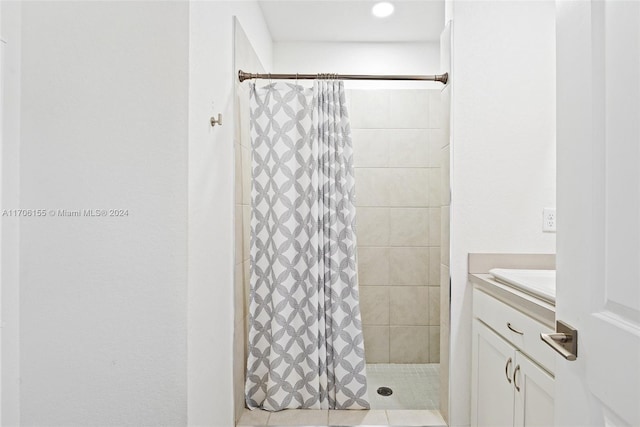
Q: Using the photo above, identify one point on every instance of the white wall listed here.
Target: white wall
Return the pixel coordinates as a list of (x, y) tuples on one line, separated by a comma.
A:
[(9, 229), (503, 149), (360, 58), (103, 301), (211, 202), (104, 305)]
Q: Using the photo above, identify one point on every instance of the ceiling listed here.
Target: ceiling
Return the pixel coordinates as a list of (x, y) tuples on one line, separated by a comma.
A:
[(352, 21)]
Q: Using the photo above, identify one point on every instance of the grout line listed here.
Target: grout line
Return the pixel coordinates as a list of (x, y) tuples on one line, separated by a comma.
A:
[(389, 289)]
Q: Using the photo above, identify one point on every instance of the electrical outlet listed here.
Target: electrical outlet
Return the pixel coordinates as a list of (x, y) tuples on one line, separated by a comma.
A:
[(549, 220)]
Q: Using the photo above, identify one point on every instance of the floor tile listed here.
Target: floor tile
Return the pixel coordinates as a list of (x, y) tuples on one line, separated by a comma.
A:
[(415, 418), (299, 417), (357, 418), (256, 417)]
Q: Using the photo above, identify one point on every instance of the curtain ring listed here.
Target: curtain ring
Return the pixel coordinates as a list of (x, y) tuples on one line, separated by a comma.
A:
[(296, 79), (270, 81)]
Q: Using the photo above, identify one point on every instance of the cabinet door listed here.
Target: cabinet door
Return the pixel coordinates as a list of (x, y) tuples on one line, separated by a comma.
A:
[(492, 395), (533, 394)]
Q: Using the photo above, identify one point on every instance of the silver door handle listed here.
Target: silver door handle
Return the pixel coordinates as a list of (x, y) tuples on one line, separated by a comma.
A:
[(512, 329), (515, 383), (564, 341), (506, 370)]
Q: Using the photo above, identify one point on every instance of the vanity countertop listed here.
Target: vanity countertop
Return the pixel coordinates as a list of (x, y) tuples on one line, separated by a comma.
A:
[(541, 310), (539, 283), (479, 265)]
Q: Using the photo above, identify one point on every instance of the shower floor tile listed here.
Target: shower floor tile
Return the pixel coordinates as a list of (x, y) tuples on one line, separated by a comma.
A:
[(415, 386)]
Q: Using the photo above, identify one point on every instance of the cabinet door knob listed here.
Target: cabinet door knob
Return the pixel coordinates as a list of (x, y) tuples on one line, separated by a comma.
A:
[(515, 372), (506, 370)]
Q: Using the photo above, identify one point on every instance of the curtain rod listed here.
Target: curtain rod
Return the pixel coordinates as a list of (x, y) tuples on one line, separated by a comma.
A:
[(242, 76)]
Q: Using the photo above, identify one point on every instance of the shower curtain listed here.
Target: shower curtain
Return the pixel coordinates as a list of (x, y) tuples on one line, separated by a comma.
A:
[(306, 347)]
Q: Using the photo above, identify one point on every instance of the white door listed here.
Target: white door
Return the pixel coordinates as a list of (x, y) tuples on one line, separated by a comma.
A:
[(598, 202), (1, 205)]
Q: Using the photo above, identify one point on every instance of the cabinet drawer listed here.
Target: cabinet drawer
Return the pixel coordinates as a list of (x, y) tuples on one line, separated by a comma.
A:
[(498, 316)]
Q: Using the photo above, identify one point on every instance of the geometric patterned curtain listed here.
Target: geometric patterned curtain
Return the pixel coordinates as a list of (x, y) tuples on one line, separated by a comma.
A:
[(306, 348)]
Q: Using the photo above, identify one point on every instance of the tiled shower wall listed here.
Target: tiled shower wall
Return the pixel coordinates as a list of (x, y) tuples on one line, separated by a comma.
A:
[(397, 139), (241, 286), (245, 59), (445, 199)]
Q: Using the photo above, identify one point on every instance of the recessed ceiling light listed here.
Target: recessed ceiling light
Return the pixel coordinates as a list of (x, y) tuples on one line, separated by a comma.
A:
[(382, 9)]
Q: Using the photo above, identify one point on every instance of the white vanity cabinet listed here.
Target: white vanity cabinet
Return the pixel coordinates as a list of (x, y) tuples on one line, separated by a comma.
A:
[(512, 382)]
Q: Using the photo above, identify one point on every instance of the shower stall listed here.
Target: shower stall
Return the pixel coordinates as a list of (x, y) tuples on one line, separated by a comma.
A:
[(400, 162)]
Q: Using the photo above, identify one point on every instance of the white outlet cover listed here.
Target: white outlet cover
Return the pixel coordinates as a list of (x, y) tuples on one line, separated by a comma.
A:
[(549, 220)]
